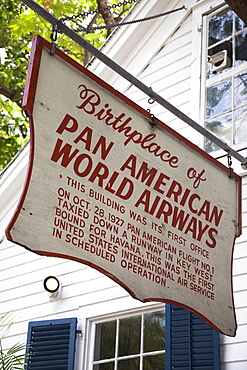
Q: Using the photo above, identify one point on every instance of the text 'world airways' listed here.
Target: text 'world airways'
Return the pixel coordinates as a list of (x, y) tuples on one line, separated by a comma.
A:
[(165, 202)]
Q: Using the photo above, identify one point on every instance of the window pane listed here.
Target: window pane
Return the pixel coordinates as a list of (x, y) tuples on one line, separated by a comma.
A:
[(240, 89), (156, 362), (219, 98), (239, 23), (154, 331), (220, 26), (105, 339), (240, 125), (226, 101), (241, 45), (129, 336), (108, 366), (130, 364), (222, 128)]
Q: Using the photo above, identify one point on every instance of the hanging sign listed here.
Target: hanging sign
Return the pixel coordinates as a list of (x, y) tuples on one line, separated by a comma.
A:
[(132, 198)]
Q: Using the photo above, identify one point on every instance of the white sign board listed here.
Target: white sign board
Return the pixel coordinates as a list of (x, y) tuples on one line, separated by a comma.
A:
[(133, 199)]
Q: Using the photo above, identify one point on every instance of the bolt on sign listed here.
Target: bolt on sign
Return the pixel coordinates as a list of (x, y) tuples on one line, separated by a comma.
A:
[(108, 187)]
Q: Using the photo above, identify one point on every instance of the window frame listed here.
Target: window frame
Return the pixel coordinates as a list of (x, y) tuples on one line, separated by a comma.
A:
[(93, 321), (205, 83)]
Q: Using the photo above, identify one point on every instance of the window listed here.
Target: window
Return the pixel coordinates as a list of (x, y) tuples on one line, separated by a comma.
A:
[(51, 344), (226, 78), (173, 338), (133, 343)]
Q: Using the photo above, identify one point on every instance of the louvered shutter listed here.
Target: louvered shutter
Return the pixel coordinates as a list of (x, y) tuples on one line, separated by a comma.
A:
[(191, 344), (51, 344)]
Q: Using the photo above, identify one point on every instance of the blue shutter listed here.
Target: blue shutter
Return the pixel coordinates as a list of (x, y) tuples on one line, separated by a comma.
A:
[(191, 344), (51, 344)]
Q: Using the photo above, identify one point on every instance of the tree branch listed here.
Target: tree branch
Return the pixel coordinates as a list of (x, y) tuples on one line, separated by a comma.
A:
[(8, 93), (87, 54), (106, 14)]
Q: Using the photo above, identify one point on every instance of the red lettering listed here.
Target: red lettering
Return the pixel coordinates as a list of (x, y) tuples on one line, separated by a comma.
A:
[(88, 166), (165, 209), (111, 182), (97, 173), (160, 182), (122, 192), (130, 164), (86, 137), (205, 209), (190, 202), (211, 233), (179, 218), (64, 152), (175, 190), (216, 216), (101, 144), (91, 100), (64, 124)]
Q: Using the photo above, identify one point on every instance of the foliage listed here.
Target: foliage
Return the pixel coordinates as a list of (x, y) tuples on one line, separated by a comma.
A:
[(13, 358), (18, 24)]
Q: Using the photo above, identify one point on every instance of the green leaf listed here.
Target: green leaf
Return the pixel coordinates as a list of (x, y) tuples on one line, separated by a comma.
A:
[(18, 24), (14, 357)]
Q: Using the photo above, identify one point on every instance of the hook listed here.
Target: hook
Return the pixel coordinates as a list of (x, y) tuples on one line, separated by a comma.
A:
[(229, 160), (151, 100), (153, 118), (53, 37)]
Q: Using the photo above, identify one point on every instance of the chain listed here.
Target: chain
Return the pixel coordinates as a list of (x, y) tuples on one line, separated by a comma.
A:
[(101, 27), (99, 10)]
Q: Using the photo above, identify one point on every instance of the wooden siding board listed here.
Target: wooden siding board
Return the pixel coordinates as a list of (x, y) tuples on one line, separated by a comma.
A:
[(168, 84), (240, 250), (239, 266), (241, 336), (169, 65), (244, 218), (239, 282), (244, 191), (233, 366), (241, 314), (165, 88), (240, 299), (28, 267), (236, 352)]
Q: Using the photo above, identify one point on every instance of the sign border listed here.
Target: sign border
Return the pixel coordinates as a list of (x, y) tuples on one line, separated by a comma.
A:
[(28, 103)]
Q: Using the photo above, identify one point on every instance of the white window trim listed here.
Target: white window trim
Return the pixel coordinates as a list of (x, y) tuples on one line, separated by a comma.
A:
[(91, 326)]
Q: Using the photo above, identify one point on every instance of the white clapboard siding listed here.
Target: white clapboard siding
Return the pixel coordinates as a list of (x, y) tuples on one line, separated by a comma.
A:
[(169, 74), (144, 39), (233, 350)]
